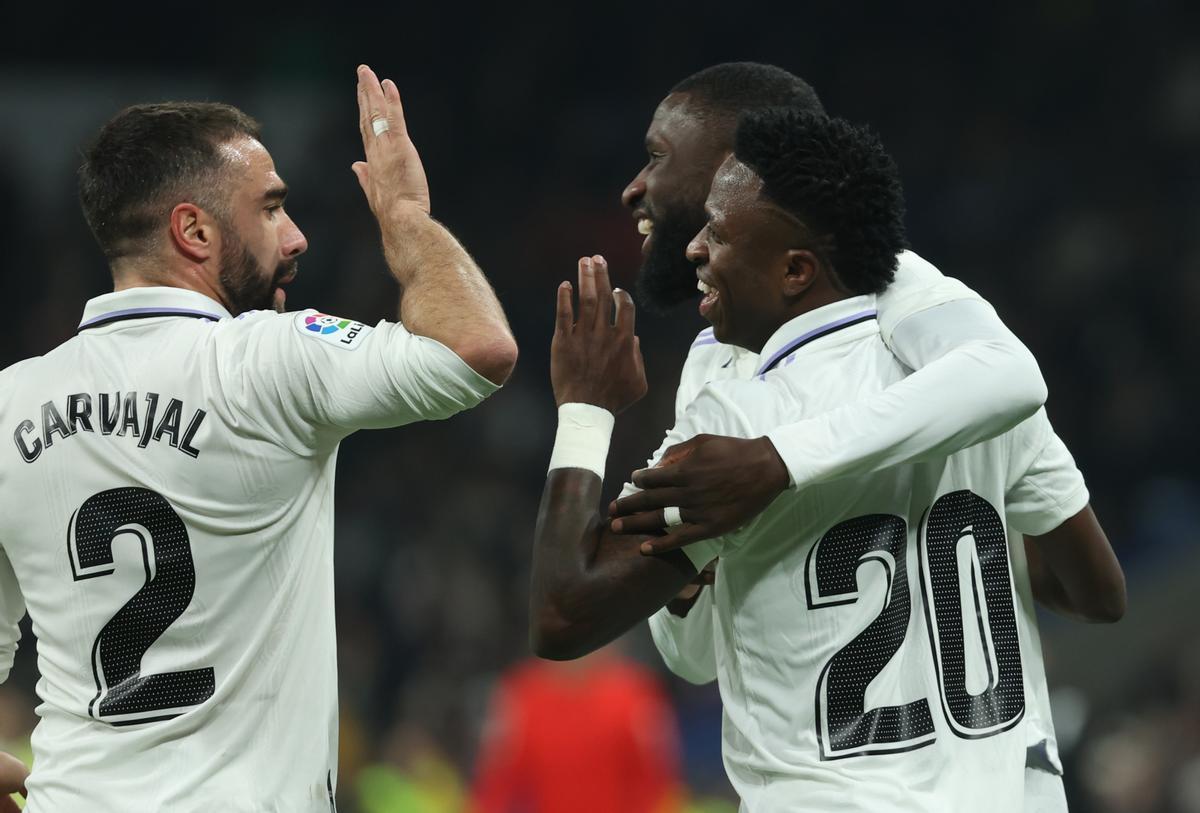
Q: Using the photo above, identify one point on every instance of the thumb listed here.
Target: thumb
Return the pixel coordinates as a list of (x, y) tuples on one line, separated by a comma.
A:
[(361, 172)]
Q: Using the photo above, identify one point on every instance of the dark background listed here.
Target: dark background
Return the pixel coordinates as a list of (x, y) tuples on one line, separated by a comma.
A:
[(1049, 156)]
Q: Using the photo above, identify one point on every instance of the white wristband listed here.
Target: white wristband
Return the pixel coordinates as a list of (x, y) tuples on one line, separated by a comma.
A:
[(582, 440)]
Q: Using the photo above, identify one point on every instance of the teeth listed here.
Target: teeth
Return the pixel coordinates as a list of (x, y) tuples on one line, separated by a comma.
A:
[(703, 287), (645, 225)]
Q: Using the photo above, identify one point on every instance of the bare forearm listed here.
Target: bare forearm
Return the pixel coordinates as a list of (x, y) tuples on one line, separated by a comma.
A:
[(589, 585), (444, 294)]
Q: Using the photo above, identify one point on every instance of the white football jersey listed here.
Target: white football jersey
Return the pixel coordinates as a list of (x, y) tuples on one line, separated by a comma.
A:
[(166, 515), (901, 686)]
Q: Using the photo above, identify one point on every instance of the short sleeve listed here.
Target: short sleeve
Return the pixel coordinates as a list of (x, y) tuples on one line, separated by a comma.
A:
[(309, 379), (686, 644), (1050, 489), (918, 285), (12, 609)]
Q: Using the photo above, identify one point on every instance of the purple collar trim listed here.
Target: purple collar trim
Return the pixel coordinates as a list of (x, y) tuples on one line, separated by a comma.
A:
[(142, 313), (813, 335)]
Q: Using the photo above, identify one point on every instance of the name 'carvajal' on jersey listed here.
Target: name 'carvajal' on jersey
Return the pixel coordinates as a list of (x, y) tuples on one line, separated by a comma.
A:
[(119, 414)]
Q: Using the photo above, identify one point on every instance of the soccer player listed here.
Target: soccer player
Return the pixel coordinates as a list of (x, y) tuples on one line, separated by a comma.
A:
[(167, 493), (899, 686), (973, 380)]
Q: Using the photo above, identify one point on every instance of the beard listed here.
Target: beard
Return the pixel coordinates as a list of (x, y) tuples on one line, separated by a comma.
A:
[(668, 277), (247, 283)]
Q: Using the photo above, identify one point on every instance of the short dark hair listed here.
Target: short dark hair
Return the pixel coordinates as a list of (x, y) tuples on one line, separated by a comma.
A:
[(731, 88), (839, 181), (150, 157)]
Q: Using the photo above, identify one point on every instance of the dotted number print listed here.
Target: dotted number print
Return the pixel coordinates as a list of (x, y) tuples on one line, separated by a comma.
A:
[(845, 728), (1001, 704), (124, 696)]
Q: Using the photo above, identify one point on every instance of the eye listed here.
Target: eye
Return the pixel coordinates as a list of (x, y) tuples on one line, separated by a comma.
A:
[(273, 209)]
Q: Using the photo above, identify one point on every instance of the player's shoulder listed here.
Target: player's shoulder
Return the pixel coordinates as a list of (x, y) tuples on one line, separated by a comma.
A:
[(918, 285), (309, 324)]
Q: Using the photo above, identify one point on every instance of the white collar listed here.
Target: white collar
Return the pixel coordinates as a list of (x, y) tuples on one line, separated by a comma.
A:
[(142, 303), (808, 327)]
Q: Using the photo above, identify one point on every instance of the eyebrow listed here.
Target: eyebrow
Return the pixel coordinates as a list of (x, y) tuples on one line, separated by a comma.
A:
[(276, 193)]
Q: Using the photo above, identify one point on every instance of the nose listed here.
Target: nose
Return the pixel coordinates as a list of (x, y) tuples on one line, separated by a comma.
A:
[(697, 249), (636, 190), (293, 242)]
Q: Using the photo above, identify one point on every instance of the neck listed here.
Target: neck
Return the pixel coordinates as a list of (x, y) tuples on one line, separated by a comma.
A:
[(143, 273)]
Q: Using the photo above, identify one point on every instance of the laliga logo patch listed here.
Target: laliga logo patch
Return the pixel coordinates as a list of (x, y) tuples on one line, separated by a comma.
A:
[(344, 333), (325, 324)]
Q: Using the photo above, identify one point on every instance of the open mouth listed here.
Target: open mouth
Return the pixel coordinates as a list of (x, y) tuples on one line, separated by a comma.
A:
[(711, 295), (645, 226)]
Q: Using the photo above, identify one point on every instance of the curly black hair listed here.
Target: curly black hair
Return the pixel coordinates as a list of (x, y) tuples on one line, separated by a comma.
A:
[(730, 88), (839, 181)]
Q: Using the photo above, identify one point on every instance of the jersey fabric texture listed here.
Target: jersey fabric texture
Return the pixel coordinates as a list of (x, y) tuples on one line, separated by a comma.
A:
[(167, 504), (771, 670)]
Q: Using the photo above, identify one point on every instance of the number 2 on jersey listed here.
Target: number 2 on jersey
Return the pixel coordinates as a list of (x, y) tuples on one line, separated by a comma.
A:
[(845, 727), (124, 696)]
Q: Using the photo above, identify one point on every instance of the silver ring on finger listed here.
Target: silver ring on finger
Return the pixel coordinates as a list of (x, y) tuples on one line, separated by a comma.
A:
[(380, 125), (671, 516)]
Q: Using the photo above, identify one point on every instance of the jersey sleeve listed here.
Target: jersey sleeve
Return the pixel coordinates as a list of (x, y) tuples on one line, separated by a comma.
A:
[(686, 644), (973, 380), (918, 286), (1049, 488), (12, 608), (312, 386)]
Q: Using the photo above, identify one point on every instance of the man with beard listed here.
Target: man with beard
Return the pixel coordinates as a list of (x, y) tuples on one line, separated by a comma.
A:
[(973, 380), (869, 644), (187, 457)]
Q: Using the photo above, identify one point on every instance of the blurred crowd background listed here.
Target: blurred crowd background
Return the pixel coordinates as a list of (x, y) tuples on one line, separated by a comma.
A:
[(1050, 157)]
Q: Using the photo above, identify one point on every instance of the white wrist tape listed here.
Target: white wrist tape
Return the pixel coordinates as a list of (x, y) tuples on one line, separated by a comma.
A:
[(584, 431)]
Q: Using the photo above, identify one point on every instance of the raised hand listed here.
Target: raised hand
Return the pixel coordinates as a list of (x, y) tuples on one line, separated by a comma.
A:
[(718, 483), (393, 174), (596, 359)]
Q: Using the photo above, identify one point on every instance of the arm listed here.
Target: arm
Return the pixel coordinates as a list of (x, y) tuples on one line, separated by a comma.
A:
[(975, 380), (444, 295), (1074, 572), (12, 610), (588, 584), (12, 607)]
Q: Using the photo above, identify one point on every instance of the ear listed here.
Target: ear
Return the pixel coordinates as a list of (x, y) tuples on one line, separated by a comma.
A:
[(801, 271), (194, 233)]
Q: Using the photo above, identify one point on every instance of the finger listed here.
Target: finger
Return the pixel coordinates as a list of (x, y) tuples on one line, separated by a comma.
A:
[(659, 476), (604, 297), (643, 522), (376, 106), (391, 94), (587, 292), (625, 311), (655, 500), (564, 316), (678, 537), (7, 805), (361, 172), (364, 126)]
